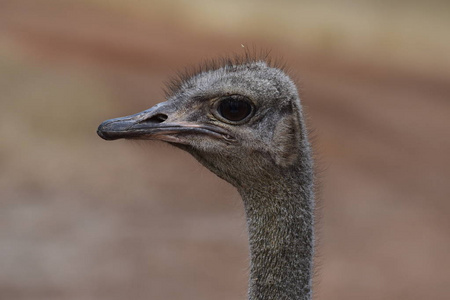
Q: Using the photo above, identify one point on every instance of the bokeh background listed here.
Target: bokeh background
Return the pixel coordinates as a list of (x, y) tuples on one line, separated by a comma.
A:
[(82, 218)]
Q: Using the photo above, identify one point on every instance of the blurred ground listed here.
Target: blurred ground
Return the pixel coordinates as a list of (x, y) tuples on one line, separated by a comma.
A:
[(81, 218)]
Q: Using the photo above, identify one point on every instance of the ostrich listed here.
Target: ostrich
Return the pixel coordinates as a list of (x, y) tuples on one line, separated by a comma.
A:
[(242, 119)]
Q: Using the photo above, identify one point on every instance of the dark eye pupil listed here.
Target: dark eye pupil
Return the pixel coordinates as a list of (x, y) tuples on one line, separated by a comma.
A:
[(234, 110)]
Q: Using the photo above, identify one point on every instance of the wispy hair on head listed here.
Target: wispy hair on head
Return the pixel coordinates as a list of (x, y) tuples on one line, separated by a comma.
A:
[(230, 61)]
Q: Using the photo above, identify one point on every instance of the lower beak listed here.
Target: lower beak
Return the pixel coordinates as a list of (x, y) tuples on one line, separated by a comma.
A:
[(155, 124)]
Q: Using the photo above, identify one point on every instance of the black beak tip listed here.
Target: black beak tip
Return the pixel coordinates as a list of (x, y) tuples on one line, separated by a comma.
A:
[(100, 133), (103, 132)]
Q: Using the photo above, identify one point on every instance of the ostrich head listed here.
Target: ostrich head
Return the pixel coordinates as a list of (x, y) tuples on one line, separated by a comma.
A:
[(242, 121)]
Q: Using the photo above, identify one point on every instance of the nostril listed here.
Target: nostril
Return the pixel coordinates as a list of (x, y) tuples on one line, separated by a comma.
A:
[(158, 118)]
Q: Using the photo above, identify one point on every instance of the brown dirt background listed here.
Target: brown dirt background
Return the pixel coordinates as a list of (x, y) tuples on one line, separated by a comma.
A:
[(81, 218)]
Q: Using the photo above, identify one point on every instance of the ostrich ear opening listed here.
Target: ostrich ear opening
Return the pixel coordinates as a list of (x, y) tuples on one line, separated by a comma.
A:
[(287, 138)]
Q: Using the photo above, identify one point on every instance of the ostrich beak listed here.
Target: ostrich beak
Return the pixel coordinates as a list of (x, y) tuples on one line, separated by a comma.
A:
[(158, 123)]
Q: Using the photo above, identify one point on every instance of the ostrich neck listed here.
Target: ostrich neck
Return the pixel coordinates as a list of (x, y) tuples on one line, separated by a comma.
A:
[(280, 224)]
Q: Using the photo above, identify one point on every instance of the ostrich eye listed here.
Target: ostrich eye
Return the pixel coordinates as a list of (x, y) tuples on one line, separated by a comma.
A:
[(234, 108)]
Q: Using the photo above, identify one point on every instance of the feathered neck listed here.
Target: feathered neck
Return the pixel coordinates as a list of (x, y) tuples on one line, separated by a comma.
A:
[(280, 223)]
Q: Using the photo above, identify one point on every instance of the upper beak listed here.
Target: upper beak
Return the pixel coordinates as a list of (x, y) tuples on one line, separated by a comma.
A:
[(156, 123)]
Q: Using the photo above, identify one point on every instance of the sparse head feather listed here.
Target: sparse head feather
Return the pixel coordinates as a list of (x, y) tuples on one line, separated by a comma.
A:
[(229, 63), (273, 137)]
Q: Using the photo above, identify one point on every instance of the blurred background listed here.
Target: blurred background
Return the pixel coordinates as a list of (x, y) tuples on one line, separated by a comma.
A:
[(82, 218)]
